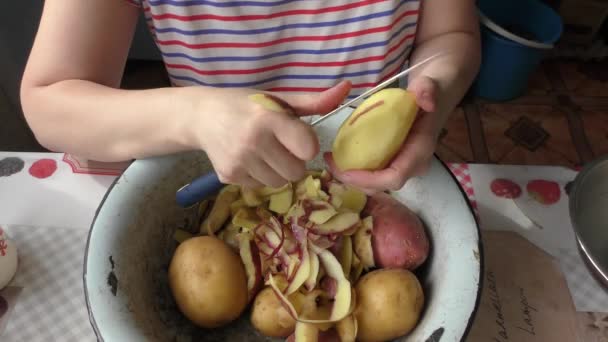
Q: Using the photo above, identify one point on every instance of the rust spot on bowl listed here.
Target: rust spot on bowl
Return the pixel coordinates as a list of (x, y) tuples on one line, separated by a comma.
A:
[(436, 335), (113, 283), (112, 280)]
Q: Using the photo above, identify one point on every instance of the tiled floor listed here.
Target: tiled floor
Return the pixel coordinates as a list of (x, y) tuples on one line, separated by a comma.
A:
[(561, 120)]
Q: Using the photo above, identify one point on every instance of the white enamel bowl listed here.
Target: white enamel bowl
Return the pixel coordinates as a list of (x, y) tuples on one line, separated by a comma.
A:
[(130, 245)]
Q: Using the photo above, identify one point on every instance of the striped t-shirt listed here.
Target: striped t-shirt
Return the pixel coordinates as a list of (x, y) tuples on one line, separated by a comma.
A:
[(282, 45)]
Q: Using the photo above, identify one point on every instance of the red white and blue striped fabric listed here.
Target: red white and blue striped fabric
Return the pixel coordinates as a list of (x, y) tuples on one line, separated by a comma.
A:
[(282, 45)]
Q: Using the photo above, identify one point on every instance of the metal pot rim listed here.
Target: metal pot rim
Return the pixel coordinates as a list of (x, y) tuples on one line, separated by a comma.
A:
[(590, 261)]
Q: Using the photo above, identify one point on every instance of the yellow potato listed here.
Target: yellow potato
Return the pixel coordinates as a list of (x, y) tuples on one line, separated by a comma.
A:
[(220, 212), (208, 281), (374, 132), (269, 316), (347, 329), (281, 201), (230, 236), (389, 303)]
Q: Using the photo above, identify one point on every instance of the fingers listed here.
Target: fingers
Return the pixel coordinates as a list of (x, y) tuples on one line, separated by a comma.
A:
[(298, 138), (249, 182), (263, 173), (237, 176), (412, 160), (373, 181), (319, 103), (425, 89), (281, 142), (254, 160), (282, 161)]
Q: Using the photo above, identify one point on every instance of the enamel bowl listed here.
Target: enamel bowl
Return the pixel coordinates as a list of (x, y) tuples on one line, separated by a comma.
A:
[(130, 246)]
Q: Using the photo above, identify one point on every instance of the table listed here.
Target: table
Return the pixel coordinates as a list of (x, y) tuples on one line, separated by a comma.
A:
[(48, 200)]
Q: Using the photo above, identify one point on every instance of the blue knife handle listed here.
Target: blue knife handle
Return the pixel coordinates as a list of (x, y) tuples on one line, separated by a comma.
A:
[(201, 188)]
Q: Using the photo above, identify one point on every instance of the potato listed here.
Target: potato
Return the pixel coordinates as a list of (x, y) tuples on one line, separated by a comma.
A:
[(362, 243), (246, 218), (181, 235), (208, 281), (347, 329), (220, 212), (281, 201), (389, 304), (269, 316), (349, 198), (330, 335), (272, 103), (399, 239), (374, 132), (230, 236)]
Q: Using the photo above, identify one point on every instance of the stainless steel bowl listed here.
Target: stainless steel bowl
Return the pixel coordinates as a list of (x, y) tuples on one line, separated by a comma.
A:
[(589, 215)]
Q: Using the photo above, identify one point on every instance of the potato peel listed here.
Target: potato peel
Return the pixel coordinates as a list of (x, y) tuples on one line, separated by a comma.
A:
[(292, 310)]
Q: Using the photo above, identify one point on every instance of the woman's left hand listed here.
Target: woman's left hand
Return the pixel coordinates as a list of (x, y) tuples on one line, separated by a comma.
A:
[(414, 157)]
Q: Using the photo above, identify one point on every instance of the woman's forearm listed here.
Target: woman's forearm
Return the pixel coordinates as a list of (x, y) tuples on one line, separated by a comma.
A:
[(454, 72), (107, 124)]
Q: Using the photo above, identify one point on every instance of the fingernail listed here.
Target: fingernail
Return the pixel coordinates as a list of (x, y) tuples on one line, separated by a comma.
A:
[(425, 95)]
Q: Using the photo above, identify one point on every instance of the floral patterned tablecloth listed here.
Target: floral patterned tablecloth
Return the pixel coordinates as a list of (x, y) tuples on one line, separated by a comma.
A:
[(47, 202)]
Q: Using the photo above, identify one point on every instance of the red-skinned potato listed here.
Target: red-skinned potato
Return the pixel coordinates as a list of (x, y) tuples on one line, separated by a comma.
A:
[(399, 239)]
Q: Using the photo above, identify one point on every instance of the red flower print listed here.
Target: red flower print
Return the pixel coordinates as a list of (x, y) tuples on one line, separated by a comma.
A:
[(3, 247), (43, 168), (544, 191), (505, 188)]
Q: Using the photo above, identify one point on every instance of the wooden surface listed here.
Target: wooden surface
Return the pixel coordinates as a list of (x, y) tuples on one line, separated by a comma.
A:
[(525, 296)]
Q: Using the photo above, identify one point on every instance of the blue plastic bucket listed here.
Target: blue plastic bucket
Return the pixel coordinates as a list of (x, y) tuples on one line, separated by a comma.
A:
[(515, 35)]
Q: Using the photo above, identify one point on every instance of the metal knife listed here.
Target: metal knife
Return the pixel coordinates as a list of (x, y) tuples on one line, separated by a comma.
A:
[(209, 184)]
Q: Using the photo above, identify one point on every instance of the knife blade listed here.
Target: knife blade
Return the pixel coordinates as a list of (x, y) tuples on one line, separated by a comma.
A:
[(208, 184)]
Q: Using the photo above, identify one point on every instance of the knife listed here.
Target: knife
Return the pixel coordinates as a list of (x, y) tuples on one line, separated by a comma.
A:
[(209, 184)]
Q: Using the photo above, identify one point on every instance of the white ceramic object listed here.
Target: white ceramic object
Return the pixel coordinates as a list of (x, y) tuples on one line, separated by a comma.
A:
[(130, 245), (8, 259)]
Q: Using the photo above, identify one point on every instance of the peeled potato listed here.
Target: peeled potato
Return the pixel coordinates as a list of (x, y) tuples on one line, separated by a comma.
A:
[(389, 304), (208, 281), (269, 316), (374, 132)]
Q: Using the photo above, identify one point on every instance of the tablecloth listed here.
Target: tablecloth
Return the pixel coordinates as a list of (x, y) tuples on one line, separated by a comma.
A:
[(48, 200)]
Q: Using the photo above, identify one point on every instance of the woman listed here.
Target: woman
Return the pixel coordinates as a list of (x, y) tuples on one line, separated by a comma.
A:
[(312, 54)]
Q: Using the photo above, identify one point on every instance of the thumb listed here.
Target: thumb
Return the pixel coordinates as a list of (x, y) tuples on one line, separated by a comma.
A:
[(318, 103), (425, 90)]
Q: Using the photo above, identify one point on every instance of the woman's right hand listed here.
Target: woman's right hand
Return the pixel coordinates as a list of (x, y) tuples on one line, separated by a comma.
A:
[(252, 141)]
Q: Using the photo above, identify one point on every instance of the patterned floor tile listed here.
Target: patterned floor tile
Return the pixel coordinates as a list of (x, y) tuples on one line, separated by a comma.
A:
[(494, 128), (527, 133), (588, 79), (457, 135), (549, 118), (447, 155), (596, 129), (542, 156)]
